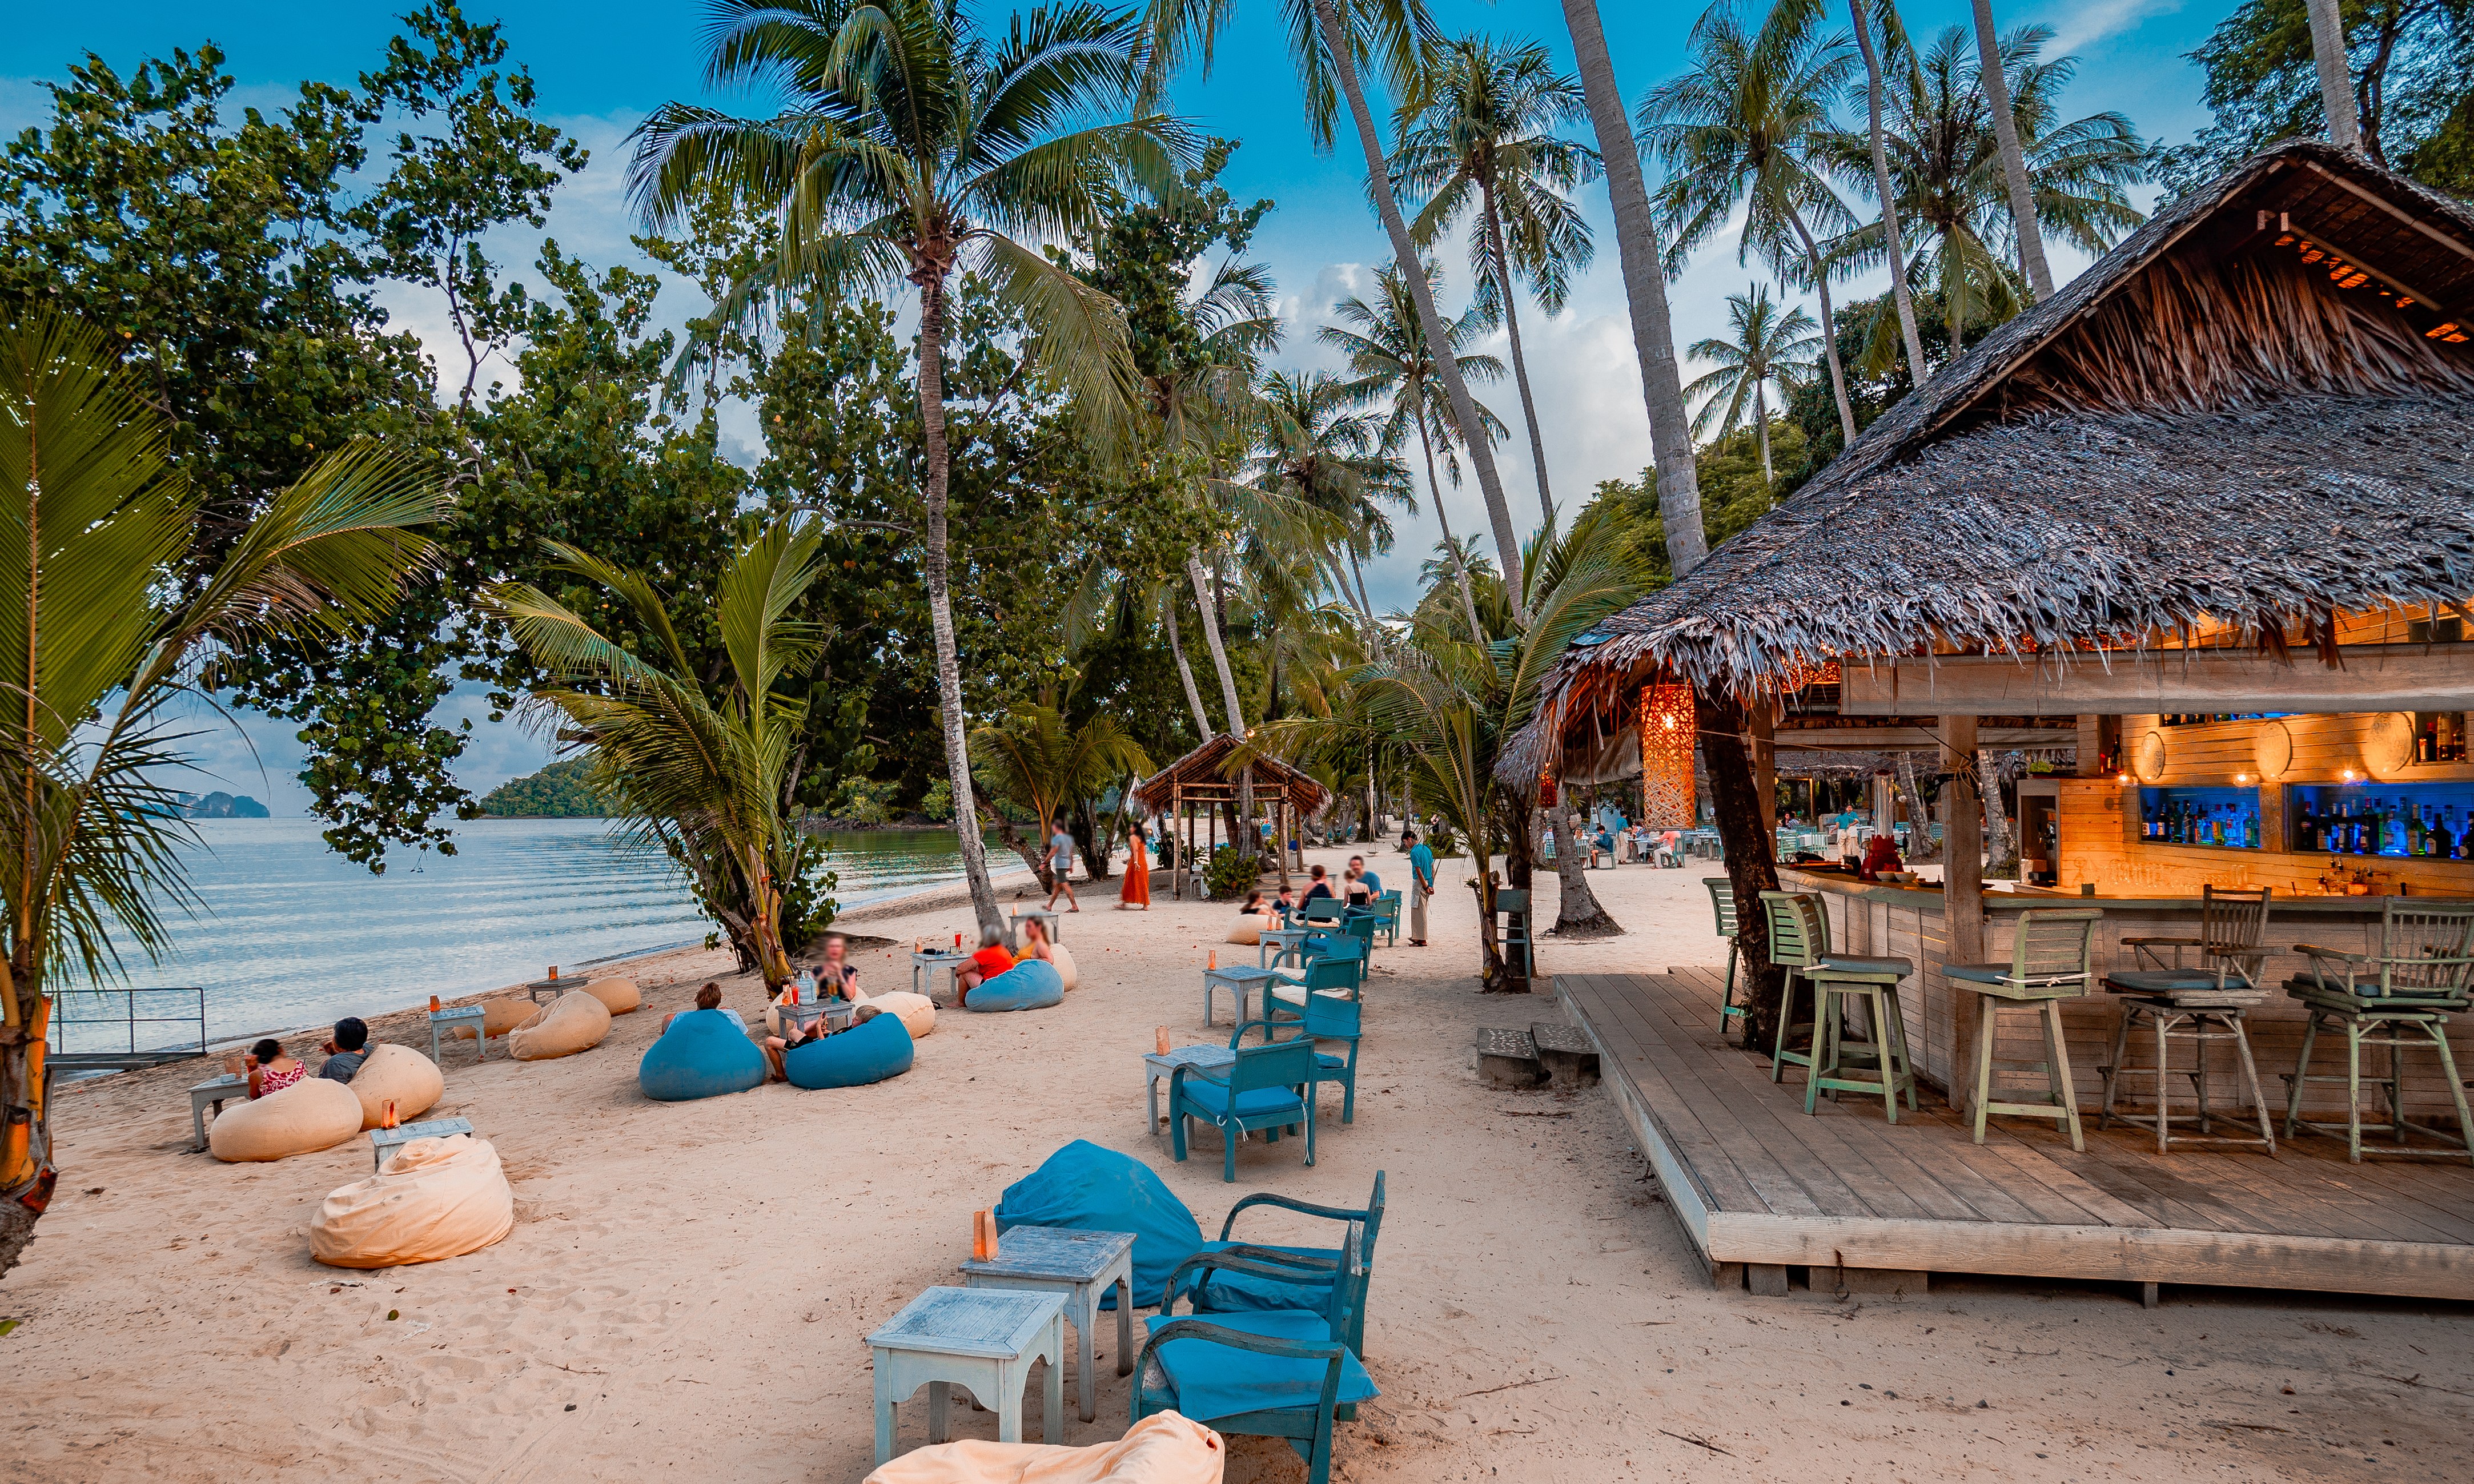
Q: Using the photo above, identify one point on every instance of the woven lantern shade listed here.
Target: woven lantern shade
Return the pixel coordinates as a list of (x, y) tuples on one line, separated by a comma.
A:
[(1667, 798)]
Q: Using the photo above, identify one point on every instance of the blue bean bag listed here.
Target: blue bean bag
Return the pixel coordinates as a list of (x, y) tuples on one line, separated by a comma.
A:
[(704, 1054), (856, 1057), (1095, 1189), (1034, 983)]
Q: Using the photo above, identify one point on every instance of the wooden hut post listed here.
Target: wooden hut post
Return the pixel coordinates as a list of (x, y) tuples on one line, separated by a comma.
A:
[(1962, 895), (1182, 826), (1280, 832), (1757, 733)]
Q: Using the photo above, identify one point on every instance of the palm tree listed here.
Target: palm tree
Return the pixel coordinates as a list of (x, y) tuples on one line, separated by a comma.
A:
[(1317, 451), (1328, 50), (108, 625), (1388, 356), (1947, 169), (2014, 160), (913, 147), (1040, 765), (1902, 297), (1488, 130), (1768, 346), (2336, 79), (1644, 276), (1751, 124), (701, 769)]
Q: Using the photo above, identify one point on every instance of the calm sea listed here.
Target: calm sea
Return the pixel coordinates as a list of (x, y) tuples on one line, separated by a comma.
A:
[(293, 934)]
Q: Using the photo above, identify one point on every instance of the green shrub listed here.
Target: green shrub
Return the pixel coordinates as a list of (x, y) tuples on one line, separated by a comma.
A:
[(1229, 873)]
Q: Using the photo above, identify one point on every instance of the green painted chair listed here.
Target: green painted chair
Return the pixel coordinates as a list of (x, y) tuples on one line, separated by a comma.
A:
[(1268, 1088), (2200, 1003), (1323, 909), (1318, 1018), (1800, 943), (1722, 901), (1387, 917), (2052, 959), (2400, 998)]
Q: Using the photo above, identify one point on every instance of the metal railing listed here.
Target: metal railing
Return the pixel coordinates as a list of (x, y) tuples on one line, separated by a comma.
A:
[(86, 1040)]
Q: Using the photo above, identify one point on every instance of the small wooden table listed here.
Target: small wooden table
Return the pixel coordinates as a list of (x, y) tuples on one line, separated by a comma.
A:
[(211, 1093), (1083, 1266), (555, 986), (1237, 978), (949, 960), (448, 1019), (1207, 1060), (1048, 919), (985, 1338), (385, 1141), (1286, 939), (835, 1013)]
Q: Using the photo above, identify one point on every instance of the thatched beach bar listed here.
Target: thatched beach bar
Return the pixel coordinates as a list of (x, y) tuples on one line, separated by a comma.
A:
[(2196, 533)]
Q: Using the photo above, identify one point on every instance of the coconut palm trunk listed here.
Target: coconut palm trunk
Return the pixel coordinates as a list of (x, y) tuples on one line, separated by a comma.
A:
[(1577, 912), (1185, 671), (937, 564), (1762, 423), (1386, 205), (2014, 162), (1653, 331), (1520, 361), (1882, 189), (1245, 840), (2335, 81), (1828, 323), (1460, 569)]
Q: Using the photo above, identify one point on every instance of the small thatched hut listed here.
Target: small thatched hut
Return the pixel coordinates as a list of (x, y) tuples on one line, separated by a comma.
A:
[(1208, 780)]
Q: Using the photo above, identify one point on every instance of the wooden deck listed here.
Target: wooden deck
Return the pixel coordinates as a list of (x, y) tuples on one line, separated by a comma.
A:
[(1756, 1182)]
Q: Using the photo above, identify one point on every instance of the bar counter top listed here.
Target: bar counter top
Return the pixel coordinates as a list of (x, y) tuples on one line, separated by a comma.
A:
[(1927, 897)]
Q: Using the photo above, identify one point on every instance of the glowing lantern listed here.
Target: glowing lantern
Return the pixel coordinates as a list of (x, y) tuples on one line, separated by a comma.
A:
[(1667, 737)]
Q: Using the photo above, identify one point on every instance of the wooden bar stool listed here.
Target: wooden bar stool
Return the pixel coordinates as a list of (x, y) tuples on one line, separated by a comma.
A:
[(1722, 901), (2052, 959), (2400, 998), (1799, 929), (2200, 1003)]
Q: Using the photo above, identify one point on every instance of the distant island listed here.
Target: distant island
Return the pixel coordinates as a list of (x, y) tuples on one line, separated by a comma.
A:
[(220, 806), (562, 791)]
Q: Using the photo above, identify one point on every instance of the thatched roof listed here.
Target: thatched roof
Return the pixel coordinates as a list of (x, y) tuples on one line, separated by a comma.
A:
[(1208, 771), (2252, 411)]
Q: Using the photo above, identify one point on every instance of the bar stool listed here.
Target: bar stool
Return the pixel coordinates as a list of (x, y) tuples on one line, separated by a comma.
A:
[(2399, 998), (1800, 943), (2180, 1003), (1722, 901), (2052, 959)]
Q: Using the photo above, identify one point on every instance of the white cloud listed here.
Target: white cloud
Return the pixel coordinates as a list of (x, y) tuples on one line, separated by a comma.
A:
[(2078, 27)]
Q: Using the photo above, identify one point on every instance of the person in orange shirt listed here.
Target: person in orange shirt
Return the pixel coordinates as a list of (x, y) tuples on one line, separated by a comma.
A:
[(987, 964)]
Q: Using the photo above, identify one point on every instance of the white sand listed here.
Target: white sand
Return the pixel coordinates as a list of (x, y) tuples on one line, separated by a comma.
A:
[(695, 1280)]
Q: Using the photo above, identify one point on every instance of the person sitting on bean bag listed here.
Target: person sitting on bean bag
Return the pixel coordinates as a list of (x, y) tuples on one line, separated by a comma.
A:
[(987, 964), (707, 998), (346, 1053), (777, 1047), (269, 1066)]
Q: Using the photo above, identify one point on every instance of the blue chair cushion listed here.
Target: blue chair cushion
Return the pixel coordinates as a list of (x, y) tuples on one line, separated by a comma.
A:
[(1034, 983), (1855, 964), (1331, 1061), (704, 1054), (2172, 981), (1213, 1381), (1222, 1290), (1089, 1188), (1261, 1103), (856, 1057)]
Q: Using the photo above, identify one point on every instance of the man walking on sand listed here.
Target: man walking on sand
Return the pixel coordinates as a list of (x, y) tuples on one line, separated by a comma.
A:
[(1060, 863), (1422, 885)]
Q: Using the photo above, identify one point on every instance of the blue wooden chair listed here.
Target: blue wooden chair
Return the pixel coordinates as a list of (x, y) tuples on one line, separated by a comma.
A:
[(1323, 909), (1319, 1018), (1284, 994), (1339, 947), (1268, 1088), (1312, 1269), (1387, 918), (1265, 1372)]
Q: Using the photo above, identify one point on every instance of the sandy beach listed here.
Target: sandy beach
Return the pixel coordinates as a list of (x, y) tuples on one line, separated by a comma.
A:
[(687, 1287)]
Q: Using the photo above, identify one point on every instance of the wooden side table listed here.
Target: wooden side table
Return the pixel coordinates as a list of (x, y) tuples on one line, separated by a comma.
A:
[(984, 1339), (386, 1141), (554, 988), (473, 1016), (934, 961), (211, 1093), (1206, 1058), (1083, 1266), (1050, 921), (1285, 940), (1238, 980)]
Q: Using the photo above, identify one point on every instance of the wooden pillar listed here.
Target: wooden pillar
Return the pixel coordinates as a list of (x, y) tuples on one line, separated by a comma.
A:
[(1962, 893), (1175, 828), (1885, 803), (1757, 733), (1280, 826)]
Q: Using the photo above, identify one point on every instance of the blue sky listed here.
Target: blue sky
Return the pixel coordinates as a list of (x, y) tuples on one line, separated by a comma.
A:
[(601, 67)]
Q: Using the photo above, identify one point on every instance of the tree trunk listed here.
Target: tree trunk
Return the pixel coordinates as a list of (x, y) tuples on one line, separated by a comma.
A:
[(1644, 276), (1752, 864), (1888, 193), (1761, 420), (1033, 854), (2335, 80), (1577, 912), (1460, 568), (1244, 839), (1829, 325), (1520, 361), (1378, 182), (1185, 671), (2014, 162), (1084, 824), (940, 608), (1921, 846), (2001, 842)]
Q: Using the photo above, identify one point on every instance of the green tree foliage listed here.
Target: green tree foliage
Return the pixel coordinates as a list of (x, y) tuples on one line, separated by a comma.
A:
[(1733, 495), (2410, 60), (563, 791)]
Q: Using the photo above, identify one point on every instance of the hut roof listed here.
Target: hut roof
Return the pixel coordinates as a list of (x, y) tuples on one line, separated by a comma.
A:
[(2249, 411), (1211, 766)]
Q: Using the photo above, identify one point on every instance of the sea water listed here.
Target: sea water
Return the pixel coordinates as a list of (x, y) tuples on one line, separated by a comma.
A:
[(288, 934)]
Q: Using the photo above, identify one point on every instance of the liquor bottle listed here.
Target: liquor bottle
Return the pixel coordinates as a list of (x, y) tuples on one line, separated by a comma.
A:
[(2391, 830), (2414, 833), (2306, 825), (2250, 830)]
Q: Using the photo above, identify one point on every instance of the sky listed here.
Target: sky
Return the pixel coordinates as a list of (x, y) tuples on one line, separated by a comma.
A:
[(601, 67)]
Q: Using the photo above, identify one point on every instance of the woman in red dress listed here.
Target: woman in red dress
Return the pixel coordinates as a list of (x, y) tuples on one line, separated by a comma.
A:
[(1136, 892)]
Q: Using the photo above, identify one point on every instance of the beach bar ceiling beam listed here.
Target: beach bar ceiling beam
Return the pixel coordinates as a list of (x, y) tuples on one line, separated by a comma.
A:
[(2372, 678)]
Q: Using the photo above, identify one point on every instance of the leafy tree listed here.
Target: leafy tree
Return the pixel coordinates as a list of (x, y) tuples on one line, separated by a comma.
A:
[(1034, 761), (562, 791), (1314, 449), (2410, 61), (98, 642), (1769, 347)]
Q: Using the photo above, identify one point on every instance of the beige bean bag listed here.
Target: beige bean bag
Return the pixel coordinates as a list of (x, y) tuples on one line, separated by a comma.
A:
[(312, 1114), (1162, 1448), (435, 1199), (1249, 928), (401, 1073), (1063, 958), (916, 1011), (618, 996), (575, 1021), (500, 1016)]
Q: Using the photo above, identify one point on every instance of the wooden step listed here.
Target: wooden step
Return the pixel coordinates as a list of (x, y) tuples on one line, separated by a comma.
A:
[(1507, 1058), (1566, 1053)]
